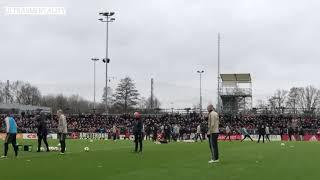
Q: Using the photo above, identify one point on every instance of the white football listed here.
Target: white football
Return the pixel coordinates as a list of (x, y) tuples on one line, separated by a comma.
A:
[(86, 149), (282, 144)]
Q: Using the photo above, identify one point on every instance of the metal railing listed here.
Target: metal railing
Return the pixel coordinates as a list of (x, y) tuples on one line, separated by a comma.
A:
[(236, 92)]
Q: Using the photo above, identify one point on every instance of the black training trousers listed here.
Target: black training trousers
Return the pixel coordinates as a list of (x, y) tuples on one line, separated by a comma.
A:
[(62, 140), (44, 138), (138, 140), (213, 143), (10, 138)]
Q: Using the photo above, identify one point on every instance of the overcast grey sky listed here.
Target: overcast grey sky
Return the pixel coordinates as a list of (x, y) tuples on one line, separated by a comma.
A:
[(277, 41)]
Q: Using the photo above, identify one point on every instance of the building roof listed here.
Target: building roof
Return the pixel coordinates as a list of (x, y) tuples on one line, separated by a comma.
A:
[(21, 107), (240, 78)]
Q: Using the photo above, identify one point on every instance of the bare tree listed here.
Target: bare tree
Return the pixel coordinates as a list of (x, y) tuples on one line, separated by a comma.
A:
[(5, 93), (145, 104), (30, 95), (272, 104), (20, 92), (261, 104), (55, 102), (24, 93), (277, 101), (62, 102), (293, 98), (74, 103), (78, 105), (309, 98), (49, 101), (142, 104), (15, 89), (155, 104), (2, 94)]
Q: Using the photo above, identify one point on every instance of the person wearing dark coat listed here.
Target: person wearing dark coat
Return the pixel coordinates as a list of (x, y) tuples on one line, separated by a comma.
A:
[(137, 131), (301, 133), (154, 132), (42, 130), (262, 132), (281, 129)]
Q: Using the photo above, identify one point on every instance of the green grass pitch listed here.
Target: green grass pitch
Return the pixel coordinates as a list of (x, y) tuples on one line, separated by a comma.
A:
[(182, 161)]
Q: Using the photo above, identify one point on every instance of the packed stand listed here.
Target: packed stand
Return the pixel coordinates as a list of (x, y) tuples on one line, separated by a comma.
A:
[(187, 123)]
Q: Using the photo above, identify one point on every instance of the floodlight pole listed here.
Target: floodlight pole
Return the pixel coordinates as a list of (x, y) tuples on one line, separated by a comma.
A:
[(106, 18), (107, 57), (218, 93), (94, 82), (200, 104)]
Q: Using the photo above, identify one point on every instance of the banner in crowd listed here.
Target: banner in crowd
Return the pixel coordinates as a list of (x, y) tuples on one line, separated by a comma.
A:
[(30, 136), (271, 137), (221, 137), (34, 136), (74, 135), (90, 136), (301, 138), (131, 137), (52, 136), (311, 137), (232, 137)]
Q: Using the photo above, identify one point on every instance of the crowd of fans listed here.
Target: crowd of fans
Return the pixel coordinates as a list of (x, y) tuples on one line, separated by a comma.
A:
[(187, 123)]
